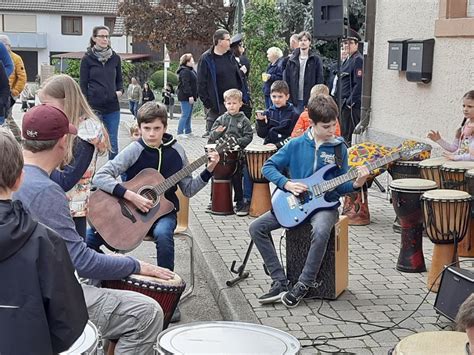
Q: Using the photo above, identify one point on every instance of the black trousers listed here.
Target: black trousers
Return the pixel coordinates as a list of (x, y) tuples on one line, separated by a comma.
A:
[(350, 118)]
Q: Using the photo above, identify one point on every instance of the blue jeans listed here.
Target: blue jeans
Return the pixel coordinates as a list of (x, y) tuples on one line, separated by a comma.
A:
[(2, 120), (322, 223), (111, 122), (184, 124), (133, 106), (248, 184), (162, 231)]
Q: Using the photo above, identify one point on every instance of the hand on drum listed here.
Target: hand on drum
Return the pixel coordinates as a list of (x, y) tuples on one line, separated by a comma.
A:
[(295, 188), (213, 158), (142, 203), (434, 136), (155, 271), (449, 156), (271, 145), (362, 175)]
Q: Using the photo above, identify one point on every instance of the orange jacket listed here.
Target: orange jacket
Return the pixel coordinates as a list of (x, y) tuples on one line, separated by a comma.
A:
[(303, 123), (18, 78)]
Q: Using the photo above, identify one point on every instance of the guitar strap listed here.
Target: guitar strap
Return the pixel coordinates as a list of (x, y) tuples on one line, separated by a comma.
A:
[(338, 154)]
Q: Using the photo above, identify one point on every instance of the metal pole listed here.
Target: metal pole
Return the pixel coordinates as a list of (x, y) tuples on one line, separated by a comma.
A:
[(339, 86), (239, 16)]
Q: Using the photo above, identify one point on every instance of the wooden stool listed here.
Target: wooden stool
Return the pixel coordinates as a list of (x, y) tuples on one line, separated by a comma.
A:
[(334, 272)]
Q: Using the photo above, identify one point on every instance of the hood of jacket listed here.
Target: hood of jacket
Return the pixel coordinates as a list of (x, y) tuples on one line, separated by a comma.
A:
[(308, 137), (183, 67), (167, 141), (16, 227)]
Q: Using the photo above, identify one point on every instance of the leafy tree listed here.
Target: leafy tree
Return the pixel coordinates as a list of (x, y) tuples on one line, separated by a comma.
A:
[(262, 28), (174, 22)]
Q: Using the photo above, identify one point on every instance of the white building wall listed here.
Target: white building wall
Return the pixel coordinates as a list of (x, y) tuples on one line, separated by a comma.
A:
[(407, 109)]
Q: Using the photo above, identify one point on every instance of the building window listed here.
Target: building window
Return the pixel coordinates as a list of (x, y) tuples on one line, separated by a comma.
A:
[(110, 23), (71, 25), (454, 19), (470, 8)]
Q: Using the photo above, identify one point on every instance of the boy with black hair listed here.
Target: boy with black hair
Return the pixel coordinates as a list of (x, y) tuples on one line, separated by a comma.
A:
[(42, 307), (276, 124), (301, 157)]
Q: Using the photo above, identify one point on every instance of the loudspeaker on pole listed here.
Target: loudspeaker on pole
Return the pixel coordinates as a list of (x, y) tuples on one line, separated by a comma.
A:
[(330, 19)]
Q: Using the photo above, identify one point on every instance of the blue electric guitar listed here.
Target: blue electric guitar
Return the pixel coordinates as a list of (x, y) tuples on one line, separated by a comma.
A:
[(291, 210)]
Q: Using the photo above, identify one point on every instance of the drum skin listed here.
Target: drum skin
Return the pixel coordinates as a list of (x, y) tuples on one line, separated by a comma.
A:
[(430, 169), (439, 342)]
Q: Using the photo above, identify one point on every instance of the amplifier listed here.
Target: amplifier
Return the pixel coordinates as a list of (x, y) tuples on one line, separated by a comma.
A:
[(456, 285)]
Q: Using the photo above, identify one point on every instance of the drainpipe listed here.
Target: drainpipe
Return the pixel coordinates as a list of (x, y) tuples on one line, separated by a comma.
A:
[(366, 99)]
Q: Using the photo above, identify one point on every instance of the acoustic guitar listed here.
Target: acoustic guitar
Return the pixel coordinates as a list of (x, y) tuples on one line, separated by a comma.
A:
[(120, 223), (291, 210)]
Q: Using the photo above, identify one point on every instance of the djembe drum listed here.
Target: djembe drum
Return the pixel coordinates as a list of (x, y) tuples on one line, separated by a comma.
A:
[(439, 342), (165, 292), (89, 342), (453, 174), (356, 205), (406, 194), (405, 169), (446, 220), (466, 247), (221, 189), (430, 169), (257, 155)]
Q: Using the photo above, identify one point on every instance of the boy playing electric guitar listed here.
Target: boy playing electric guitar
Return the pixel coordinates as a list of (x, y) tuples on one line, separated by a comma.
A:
[(302, 157)]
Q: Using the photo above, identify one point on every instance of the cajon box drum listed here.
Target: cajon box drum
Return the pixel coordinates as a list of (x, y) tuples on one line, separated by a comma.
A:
[(334, 272)]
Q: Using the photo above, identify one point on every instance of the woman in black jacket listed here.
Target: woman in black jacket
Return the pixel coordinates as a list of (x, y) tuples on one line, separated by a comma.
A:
[(147, 94), (187, 92), (101, 82)]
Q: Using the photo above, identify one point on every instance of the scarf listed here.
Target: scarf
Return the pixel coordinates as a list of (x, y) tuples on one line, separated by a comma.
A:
[(102, 54)]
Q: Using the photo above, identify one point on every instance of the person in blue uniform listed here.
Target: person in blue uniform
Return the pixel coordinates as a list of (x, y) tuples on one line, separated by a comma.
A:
[(352, 71)]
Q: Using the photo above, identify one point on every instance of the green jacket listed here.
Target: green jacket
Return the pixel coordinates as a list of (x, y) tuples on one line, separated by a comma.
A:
[(237, 126)]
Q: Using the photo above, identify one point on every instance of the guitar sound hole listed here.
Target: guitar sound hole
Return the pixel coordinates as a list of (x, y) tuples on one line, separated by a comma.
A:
[(149, 193)]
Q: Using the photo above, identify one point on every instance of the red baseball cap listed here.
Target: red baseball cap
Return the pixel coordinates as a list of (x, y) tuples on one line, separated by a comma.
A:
[(46, 122)]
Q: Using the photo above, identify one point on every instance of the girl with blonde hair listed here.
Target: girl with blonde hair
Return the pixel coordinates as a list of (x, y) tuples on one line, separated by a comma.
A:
[(80, 163)]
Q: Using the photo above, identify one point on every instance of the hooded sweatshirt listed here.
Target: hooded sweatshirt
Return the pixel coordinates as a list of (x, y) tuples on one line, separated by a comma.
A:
[(42, 307)]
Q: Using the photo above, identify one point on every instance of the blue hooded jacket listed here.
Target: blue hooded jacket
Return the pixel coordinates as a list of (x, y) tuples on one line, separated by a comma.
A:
[(301, 159)]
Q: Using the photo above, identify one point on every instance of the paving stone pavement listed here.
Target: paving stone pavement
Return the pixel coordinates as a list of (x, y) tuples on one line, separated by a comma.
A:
[(377, 296)]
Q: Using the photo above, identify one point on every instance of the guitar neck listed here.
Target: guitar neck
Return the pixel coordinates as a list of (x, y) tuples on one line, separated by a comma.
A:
[(352, 174), (177, 177)]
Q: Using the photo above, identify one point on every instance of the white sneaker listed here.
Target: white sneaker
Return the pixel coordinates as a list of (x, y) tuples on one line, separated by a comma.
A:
[(183, 136)]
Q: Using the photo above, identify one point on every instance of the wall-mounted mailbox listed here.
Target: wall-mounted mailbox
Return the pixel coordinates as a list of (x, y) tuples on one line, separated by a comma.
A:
[(397, 54), (420, 60)]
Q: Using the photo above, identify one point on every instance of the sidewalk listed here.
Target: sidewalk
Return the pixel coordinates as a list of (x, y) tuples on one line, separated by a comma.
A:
[(377, 292)]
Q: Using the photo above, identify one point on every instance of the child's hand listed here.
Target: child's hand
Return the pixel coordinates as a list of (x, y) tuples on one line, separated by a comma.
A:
[(271, 145), (295, 188), (221, 129), (434, 135), (362, 175), (449, 156), (142, 203), (260, 116)]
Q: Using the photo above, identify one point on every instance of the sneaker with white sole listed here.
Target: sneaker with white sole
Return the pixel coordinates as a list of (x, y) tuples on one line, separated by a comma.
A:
[(293, 297), (277, 290)]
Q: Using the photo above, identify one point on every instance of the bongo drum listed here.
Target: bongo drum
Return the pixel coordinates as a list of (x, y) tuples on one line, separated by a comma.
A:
[(452, 174), (226, 338), (446, 220), (221, 189), (439, 342), (430, 169), (87, 343), (466, 246), (165, 292), (406, 194), (257, 155), (408, 169)]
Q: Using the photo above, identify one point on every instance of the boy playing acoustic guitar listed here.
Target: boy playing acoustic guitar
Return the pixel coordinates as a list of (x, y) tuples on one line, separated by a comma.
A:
[(302, 157), (159, 150)]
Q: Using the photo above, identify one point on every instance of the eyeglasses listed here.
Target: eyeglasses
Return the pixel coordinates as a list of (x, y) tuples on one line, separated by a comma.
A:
[(102, 36)]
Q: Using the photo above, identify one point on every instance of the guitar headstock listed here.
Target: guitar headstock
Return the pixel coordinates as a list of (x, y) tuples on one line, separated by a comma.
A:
[(407, 152), (227, 143)]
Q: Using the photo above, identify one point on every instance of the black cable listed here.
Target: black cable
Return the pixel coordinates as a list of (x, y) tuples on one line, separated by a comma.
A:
[(324, 340)]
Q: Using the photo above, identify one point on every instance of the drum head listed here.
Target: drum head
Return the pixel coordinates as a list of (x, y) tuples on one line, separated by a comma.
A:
[(433, 162), (441, 342), (458, 165), (155, 280), (254, 147), (227, 338), (87, 341), (470, 173), (443, 194), (413, 184)]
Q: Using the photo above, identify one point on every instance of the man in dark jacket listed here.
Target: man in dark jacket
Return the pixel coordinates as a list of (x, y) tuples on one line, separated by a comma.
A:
[(303, 70), (218, 72), (42, 307), (351, 85)]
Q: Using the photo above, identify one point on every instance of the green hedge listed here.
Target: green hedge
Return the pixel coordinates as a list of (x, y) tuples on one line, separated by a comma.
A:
[(157, 79)]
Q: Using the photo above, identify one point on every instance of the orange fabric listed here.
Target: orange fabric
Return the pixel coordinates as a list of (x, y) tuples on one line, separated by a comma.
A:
[(303, 123)]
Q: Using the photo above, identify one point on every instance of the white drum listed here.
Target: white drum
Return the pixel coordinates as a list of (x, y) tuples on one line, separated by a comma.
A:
[(87, 343), (226, 338), (433, 343)]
